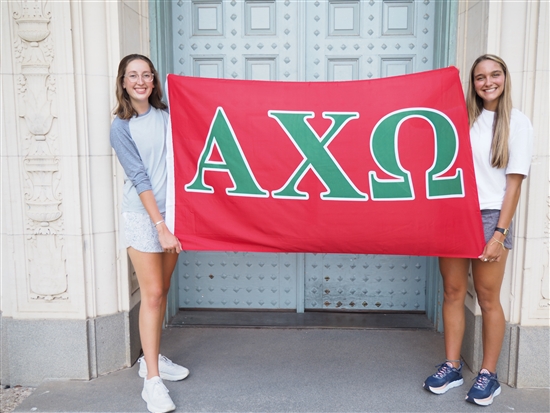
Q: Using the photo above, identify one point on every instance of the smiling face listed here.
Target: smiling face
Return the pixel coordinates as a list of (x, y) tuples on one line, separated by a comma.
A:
[(138, 84), (489, 79)]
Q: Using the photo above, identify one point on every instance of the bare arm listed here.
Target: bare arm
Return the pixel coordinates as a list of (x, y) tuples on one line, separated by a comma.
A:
[(493, 249), (167, 240)]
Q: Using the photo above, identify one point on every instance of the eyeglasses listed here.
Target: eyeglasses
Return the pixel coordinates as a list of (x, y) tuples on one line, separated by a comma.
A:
[(146, 77)]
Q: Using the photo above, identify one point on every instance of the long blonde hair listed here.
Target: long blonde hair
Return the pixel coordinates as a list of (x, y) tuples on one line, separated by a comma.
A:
[(124, 109), (501, 125)]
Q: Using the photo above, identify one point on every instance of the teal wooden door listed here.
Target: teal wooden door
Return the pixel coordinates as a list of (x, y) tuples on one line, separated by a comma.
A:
[(306, 41)]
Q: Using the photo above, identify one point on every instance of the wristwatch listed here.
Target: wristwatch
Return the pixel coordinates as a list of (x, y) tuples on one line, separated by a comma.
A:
[(503, 231)]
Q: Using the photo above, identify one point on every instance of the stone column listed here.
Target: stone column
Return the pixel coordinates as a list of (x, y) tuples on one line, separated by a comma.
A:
[(68, 301), (517, 32)]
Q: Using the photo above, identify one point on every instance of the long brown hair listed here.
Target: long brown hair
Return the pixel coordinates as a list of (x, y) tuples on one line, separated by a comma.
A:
[(124, 109), (501, 124)]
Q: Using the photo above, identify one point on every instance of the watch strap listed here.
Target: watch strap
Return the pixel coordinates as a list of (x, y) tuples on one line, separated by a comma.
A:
[(503, 231)]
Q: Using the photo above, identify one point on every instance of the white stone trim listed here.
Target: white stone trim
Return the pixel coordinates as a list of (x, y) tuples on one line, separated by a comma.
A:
[(518, 32)]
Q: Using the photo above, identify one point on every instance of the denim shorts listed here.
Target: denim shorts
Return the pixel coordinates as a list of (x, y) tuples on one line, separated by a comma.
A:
[(140, 232), (489, 217)]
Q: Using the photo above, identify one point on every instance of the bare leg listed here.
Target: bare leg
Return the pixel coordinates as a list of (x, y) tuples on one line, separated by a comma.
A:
[(169, 261), (488, 278), (455, 283), (153, 271)]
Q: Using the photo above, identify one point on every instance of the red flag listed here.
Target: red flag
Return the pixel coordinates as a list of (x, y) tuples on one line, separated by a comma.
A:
[(378, 166)]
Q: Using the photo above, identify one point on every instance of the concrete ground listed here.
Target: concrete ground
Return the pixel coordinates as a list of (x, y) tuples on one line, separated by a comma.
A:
[(288, 370)]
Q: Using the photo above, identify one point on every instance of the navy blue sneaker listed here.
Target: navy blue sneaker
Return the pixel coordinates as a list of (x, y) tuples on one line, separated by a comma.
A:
[(485, 389), (446, 378)]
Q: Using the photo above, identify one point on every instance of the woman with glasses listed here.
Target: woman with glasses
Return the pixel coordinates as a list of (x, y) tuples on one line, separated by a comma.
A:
[(502, 144), (138, 138)]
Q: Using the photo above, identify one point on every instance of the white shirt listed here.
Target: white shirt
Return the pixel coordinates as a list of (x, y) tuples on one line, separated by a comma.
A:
[(491, 182)]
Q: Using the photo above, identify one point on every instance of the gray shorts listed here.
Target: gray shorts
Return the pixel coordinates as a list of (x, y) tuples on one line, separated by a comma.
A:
[(489, 217), (140, 232)]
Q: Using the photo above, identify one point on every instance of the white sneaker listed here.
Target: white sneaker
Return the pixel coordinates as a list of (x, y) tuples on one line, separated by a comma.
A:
[(168, 370), (156, 396)]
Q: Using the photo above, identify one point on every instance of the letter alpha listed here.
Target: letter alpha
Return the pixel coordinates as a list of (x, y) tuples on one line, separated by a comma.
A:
[(233, 161)]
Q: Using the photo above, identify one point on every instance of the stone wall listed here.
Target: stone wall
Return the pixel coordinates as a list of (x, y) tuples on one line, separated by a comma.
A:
[(517, 32), (67, 288), (67, 292)]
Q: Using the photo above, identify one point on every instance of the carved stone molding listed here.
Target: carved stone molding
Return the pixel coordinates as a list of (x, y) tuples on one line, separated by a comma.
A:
[(44, 246)]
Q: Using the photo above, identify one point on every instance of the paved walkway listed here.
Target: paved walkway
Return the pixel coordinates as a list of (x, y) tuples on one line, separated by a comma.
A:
[(288, 370)]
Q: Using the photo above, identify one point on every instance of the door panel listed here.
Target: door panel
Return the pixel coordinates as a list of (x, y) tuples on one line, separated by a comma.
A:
[(371, 38), (348, 40), (308, 41), (365, 282), (253, 39), (237, 280)]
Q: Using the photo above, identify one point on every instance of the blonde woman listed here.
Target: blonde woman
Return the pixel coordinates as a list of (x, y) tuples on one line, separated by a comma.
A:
[(138, 138), (502, 141)]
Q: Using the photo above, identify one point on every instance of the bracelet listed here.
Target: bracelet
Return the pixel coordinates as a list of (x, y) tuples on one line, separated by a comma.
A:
[(160, 222), (500, 242)]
